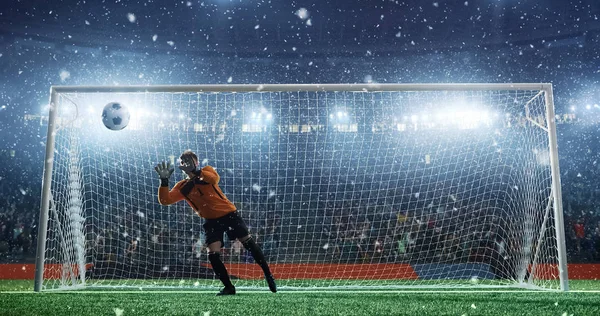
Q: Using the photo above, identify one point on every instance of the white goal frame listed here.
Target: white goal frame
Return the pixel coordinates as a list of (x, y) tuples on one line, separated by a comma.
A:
[(556, 197)]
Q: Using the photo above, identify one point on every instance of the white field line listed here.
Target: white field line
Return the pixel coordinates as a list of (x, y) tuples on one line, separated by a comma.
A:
[(299, 292)]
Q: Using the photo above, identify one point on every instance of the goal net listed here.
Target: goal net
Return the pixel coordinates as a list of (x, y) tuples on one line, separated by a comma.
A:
[(343, 186)]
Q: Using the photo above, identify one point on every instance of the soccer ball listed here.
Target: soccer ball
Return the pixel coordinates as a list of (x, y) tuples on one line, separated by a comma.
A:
[(115, 116)]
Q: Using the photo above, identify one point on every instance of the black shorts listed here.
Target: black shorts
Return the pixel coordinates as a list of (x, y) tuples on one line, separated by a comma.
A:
[(232, 224)]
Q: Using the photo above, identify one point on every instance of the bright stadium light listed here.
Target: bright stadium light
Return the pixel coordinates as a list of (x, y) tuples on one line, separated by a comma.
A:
[(439, 117), (260, 117), (339, 116)]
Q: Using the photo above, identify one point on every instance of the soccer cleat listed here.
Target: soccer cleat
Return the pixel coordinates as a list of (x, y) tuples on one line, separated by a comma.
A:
[(227, 291), (271, 281)]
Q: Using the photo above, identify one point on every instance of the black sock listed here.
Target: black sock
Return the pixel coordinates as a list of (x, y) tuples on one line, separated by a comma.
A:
[(219, 268), (257, 254)]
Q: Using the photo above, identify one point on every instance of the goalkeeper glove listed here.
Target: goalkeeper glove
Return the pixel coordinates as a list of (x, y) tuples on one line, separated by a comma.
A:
[(164, 171)]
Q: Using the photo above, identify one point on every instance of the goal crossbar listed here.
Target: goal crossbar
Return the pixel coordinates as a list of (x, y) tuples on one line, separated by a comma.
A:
[(373, 87)]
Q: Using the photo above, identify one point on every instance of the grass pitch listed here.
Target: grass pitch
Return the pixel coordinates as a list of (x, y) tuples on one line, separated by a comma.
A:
[(17, 298)]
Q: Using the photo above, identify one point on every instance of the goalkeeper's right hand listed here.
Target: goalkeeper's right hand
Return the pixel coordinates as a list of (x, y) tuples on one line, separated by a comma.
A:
[(164, 170)]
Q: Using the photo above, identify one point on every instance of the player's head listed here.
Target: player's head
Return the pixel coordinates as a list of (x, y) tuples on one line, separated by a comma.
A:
[(188, 161)]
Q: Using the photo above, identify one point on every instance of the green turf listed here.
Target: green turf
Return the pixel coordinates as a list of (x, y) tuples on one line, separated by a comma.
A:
[(299, 303)]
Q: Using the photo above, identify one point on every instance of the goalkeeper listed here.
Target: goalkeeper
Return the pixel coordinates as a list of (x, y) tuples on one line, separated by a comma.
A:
[(202, 193)]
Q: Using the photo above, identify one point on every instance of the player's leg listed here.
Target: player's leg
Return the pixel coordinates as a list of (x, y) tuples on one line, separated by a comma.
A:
[(239, 230), (214, 238), (259, 258)]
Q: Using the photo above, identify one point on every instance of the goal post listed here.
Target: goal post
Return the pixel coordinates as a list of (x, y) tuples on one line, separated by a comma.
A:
[(345, 186)]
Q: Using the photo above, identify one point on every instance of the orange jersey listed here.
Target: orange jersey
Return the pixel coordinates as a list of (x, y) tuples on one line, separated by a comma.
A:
[(202, 193)]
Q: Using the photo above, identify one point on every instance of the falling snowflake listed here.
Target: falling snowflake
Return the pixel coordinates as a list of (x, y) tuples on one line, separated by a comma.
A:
[(326, 246), (302, 13), (229, 80), (256, 187), (118, 311), (154, 37), (64, 75), (131, 17), (473, 306)]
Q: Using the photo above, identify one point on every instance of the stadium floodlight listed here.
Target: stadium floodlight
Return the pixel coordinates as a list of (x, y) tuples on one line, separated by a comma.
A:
[(422, 210), (260, 116)]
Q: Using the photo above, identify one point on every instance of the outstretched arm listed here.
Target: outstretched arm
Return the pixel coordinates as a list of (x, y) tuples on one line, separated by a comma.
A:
[(166, 196)]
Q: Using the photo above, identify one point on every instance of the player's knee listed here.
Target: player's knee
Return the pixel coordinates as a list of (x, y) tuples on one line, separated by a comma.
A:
[(248, 242), (214, 257), (214, 247)]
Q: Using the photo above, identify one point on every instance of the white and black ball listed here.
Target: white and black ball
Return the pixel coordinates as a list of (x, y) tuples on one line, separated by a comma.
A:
[(115, 116)]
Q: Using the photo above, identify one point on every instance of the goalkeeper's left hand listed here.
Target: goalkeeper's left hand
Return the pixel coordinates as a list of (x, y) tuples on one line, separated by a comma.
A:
[(164, 171)]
